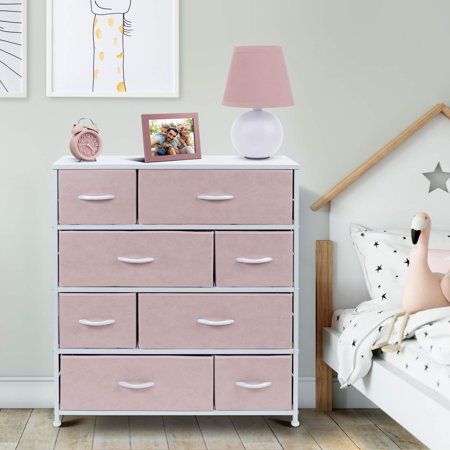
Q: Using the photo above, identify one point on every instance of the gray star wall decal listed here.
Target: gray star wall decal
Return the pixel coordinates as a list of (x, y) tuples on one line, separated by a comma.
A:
[(438, 178)]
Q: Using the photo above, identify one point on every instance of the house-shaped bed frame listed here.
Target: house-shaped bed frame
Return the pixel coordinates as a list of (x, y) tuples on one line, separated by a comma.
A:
[(419, 409)]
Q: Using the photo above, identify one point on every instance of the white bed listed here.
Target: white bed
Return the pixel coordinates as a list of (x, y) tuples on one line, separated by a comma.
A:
[(387, 197), (412, 360), (419, 409)]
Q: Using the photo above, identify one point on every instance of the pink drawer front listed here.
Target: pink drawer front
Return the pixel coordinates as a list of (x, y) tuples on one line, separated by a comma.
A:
[(254, 258), (106, 197), (253, 383), (215, 320), (215, 197), (121, 383), (97, 320), (136, 258)]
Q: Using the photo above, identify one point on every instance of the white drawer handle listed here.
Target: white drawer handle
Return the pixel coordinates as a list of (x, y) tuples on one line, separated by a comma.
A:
[(127, 385), (102, 323), (124, 259), (245, 385), (96, 198), (254, 261), (215, 198), (214, 323)]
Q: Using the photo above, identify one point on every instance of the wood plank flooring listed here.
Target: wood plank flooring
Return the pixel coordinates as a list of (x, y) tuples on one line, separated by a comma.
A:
[(347, 429)]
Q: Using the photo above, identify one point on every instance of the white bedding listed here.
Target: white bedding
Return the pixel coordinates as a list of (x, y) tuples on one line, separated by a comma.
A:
[(367, 324), (413, 360)]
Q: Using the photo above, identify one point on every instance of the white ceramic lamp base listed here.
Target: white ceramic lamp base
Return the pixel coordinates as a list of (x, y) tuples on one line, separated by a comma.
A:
[(257, 134)]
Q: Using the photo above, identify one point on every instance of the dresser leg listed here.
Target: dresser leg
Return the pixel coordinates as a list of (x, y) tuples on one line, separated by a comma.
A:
[(57, 420), (295, 423)]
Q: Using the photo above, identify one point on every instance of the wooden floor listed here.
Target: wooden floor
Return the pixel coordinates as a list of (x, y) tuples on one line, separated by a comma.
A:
[(341, 429)]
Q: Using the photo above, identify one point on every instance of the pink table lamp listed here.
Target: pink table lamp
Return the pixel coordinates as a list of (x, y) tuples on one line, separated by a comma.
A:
[(258, 79)]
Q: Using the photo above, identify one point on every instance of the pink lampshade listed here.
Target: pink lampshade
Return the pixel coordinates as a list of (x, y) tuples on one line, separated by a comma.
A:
[(258, 78)]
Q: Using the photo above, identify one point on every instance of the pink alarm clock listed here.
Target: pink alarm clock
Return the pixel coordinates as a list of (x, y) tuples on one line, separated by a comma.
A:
[(86, 143)]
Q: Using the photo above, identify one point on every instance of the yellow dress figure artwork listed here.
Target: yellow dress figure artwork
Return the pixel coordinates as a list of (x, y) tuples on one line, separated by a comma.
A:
[(109, 31)]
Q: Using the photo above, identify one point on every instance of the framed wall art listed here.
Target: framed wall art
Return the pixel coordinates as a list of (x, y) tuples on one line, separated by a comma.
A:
[(112, 48), (13, 48)]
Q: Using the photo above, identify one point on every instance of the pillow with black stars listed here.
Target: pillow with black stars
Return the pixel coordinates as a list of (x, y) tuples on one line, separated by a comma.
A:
[(384, 258)]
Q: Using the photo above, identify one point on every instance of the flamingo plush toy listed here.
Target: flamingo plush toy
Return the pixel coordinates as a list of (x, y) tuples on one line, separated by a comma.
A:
[(424, 289)]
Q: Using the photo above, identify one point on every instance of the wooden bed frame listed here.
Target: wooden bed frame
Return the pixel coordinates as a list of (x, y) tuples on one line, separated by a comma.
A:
[(420, 410)]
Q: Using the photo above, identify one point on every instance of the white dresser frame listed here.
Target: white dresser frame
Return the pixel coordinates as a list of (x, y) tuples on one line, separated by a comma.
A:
[(222, 162)]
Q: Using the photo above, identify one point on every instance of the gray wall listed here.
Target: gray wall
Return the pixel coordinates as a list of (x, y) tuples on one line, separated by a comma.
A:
[(361, 71)]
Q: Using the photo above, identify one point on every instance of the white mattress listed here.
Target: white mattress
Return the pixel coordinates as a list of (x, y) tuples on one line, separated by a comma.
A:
[(411, 359)]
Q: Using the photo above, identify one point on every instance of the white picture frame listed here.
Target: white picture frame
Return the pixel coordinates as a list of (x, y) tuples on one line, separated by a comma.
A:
[(94, 67), (13, 49)]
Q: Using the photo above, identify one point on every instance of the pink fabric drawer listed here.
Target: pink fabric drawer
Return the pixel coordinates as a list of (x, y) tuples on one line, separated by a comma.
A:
[(106, 197), (203, 320), (259, 197), (253, 383), (180, 383), (254, 258), (108, 320), (124, 258)]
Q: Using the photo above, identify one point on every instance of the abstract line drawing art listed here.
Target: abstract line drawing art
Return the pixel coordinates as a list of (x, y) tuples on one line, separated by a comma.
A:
[(13, 48), (112, 48), (109, 32)]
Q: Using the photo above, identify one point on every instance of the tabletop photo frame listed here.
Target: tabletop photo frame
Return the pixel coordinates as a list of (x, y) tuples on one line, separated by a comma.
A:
[(171, 137)]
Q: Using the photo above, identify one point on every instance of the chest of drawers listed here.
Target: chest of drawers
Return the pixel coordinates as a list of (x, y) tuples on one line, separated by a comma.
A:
[(176, 288)]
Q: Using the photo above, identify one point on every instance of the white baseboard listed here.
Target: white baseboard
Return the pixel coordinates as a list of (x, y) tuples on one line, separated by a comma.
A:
[(342, 398), (37, 392), (26, 392), (307, 392)]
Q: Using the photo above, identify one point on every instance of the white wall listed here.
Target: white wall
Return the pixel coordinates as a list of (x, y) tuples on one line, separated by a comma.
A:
[(388, 197), (361, 71)]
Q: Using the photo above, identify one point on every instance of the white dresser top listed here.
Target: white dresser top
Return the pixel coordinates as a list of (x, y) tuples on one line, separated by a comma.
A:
[(277, 162)]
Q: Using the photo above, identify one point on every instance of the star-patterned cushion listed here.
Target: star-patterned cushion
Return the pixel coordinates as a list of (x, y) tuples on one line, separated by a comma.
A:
[(384, 258)]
